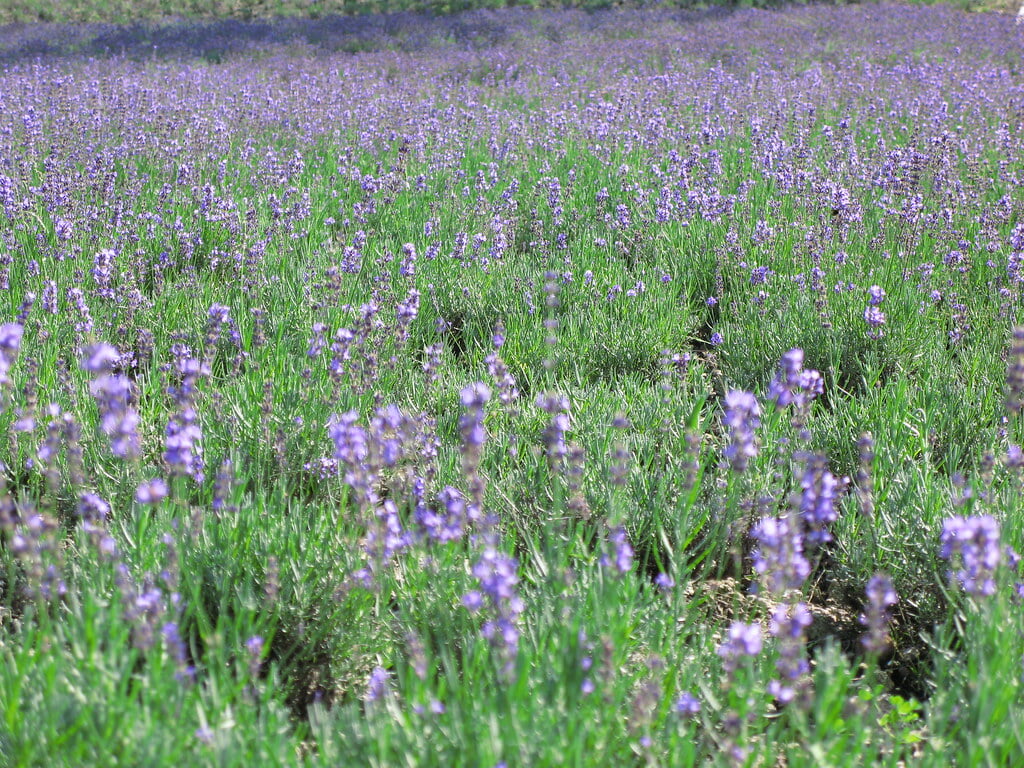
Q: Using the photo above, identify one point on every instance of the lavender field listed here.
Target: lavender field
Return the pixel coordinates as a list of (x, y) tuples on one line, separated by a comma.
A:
[(514, 388)]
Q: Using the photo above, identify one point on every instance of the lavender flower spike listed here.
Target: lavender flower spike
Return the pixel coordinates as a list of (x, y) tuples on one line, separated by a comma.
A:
[(974, 541), (10, 343), (743, 640), (881, 597), (793, 385), (741, 417)]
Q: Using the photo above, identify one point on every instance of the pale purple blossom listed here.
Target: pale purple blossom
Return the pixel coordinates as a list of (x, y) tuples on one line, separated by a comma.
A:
[(742, 417), (972, 543), (151, 491), (743, 640), (881, 597)]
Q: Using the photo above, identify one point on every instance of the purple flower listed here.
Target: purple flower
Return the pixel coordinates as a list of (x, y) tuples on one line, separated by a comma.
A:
[(687, 705), (100, 358), (873, 316), (622, 551), (496, 573), (788, 625), (1014, 456), (350, 439), (664, 582), (172, 637), (473, 600), (974, 542), (451, 525), (743, 640), (379, 684), (555, 431), (741, 417), (10, 338), (254, 645), (182, 450), (10, 343), (118, 420), (779, 558), (319, 340), (471, 423), (151, 491), (819, 491), (881, 597), (792, 384)]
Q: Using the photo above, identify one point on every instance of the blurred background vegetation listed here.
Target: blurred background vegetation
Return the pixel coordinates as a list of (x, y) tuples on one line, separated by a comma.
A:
[(133, 11)]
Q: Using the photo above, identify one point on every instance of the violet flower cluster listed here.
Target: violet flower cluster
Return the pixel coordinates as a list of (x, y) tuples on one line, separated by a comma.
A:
[(819, 492), (779, 557), (496, 573), (882, 597), (119, 421), (742, 417), (183, 451), (621, 554), (743, 641), (788, 625), (873, 315), (10, 343), (971, 544), (793, 385), (364, 454), (474, 434)]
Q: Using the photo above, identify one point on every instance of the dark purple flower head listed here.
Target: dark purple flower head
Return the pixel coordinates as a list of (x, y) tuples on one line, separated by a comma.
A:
[(496, 574), (622, 551), (93, 508), (471, 422), (789, 621), (873, 316), (788, 625), (118, 420)]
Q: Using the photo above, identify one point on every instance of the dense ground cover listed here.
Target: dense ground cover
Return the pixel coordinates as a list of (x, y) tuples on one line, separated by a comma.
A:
[(136, 11), (560, 389)]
